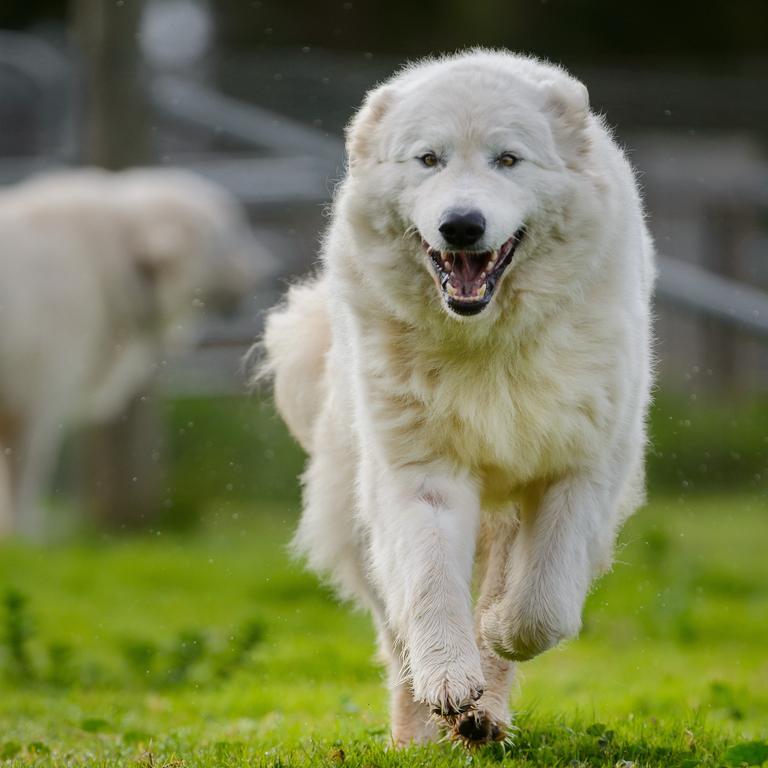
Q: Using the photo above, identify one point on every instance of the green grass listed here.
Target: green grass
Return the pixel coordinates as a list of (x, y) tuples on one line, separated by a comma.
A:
[(213, 649)]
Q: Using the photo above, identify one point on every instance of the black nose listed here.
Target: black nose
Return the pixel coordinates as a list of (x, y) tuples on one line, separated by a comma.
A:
[(462, 228)]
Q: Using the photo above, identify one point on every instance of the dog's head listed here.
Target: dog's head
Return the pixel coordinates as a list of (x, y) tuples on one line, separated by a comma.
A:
[(191, 242), (467, 164)]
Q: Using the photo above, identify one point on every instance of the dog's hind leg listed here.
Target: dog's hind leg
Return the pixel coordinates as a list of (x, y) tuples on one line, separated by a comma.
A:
[(333, 545), (31, 473), (490, 719), (411, 721), (7, 432), (6, 495), (12, 437)]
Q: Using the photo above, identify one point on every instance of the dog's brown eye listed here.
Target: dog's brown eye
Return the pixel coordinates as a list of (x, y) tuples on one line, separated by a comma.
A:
[(429, 159), (507, 160)]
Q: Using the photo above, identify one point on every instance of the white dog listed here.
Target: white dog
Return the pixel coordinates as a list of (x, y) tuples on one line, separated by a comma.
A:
[(470, 374), (100, 274)]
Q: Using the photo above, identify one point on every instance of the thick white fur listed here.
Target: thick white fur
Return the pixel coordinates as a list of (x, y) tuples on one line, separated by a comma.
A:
[(100, 274), (424, 428)]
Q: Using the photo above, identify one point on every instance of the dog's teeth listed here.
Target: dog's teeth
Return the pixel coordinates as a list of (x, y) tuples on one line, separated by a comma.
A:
[(481, 292), (489, 265), (482, 275), (446, 265)]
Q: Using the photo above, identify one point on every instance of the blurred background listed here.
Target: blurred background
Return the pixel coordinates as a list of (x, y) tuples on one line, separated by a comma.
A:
[(253, 95)]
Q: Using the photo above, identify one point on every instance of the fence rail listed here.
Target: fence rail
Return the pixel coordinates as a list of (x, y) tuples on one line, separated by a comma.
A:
[(203, 107), (731, 302)]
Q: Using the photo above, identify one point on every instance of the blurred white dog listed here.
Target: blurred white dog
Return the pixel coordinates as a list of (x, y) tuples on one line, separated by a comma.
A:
[(100, 274), (470, 374)]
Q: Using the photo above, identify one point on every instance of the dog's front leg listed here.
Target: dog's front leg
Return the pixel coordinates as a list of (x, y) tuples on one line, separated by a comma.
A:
[(565, 538), (423, 527), (490, 720)]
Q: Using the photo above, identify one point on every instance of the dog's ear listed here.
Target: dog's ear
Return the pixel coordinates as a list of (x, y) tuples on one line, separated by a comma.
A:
[(362, 130), (567, 103)]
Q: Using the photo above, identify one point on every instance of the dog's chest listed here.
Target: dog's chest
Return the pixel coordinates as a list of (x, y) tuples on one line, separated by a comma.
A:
[(510, 422), (518, 428)]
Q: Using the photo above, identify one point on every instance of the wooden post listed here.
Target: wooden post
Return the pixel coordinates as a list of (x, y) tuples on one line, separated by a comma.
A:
[(122, 466), (726, 227), (114, 113)]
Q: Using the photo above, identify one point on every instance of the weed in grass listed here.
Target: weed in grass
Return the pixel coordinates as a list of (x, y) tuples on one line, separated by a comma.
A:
[(190, 648), (748, 753), (240, 646), (9, 750), (140, 656), (193, 654), (146, 662), (38, 748), (722, 697), (94, 725), (149, 760), (61, 669), (17, 632)]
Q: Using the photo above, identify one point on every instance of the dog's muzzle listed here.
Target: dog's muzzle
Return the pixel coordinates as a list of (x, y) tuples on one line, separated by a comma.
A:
[(468, 278)]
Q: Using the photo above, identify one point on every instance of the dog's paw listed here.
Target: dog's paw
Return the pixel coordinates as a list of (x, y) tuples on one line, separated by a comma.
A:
[(515, 636), (477, 727), (449, 691)]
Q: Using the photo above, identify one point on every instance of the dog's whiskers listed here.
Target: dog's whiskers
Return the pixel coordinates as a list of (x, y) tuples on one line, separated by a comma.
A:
[(410, 231)]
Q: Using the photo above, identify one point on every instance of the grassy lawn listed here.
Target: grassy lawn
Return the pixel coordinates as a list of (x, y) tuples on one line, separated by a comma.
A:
[(213, 649)]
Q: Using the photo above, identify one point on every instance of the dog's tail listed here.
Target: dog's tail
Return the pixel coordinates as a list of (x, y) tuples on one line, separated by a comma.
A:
[(297, 337)]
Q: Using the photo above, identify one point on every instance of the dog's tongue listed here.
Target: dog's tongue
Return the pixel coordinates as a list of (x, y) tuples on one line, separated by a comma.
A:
[(467, 266)]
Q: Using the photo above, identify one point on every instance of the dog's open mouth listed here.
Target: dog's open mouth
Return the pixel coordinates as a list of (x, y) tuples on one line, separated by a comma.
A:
[(469, 278)]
